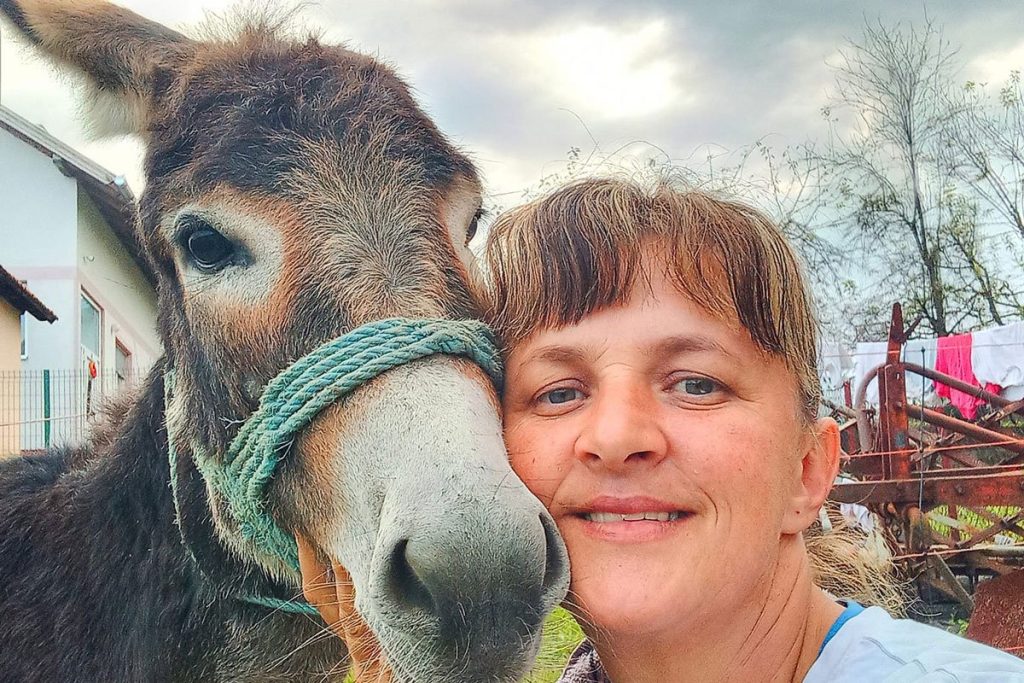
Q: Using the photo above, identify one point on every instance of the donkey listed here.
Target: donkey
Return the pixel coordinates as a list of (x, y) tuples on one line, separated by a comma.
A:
[(294, 191)]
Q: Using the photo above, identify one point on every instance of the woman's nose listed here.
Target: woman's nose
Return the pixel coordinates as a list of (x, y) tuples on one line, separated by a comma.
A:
[(622, 427)]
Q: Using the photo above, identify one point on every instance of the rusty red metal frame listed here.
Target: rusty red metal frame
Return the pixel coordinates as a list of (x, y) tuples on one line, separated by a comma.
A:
[(904, 472)]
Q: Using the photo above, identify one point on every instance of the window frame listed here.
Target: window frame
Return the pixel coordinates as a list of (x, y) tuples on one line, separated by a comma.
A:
[(98, 357), (121, 350), (23, 318)]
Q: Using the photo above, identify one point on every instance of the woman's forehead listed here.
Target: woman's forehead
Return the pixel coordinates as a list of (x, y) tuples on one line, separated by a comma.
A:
[(654, 281), (655, 317)]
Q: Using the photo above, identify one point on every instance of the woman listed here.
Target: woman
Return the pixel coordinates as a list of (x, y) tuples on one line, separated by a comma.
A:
[(661, 399)]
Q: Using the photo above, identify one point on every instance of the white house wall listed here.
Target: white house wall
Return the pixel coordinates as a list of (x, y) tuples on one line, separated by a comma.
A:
[(112, 279), (53, 237), (38, 216)]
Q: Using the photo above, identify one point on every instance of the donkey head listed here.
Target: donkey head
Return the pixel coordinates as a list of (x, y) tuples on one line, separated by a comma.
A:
[(294, 191)]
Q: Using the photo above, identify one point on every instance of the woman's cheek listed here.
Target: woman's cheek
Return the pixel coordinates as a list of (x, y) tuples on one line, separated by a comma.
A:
[(521, 453), (533, 458), (529, 466)]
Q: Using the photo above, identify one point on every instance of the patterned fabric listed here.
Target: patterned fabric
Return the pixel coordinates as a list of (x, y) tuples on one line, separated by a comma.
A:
[(584, 666)]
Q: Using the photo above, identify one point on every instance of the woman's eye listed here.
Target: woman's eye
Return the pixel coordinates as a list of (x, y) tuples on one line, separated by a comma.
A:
[(560, 396), (697, 386)]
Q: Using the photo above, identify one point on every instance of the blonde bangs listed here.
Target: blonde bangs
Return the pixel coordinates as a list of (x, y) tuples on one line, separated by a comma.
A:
[(557, 260), (582, 248)]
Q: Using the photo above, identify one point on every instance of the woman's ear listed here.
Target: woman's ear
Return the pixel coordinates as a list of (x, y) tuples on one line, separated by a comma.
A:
[(818, 468)]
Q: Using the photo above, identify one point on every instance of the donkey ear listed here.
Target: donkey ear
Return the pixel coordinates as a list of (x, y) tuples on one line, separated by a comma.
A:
[(128, 61)]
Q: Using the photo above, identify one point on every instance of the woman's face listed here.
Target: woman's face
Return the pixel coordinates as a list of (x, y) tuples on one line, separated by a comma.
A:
[(671, 453)]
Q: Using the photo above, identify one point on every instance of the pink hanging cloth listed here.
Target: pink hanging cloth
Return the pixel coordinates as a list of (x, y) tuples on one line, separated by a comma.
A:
[(953, 358)]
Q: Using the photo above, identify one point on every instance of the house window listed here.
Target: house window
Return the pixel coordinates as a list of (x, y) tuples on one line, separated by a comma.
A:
[(24, 335), (92, 326), (24, 329), (122, 364)]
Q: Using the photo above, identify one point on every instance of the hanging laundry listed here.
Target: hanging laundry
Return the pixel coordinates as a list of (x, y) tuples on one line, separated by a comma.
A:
[(921, 352), (869, 355), (997, 356), (953, 358), (835, 367)]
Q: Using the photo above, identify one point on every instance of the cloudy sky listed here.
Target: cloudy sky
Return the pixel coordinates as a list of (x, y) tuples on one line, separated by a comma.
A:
[(516, 84)]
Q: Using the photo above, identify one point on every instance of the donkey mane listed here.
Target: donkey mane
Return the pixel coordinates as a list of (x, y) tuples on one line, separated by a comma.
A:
[(240, 28)]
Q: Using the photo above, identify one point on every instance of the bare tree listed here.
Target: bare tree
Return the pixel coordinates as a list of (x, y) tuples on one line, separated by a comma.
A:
[(901, 189), (897, 204), (986, 147)]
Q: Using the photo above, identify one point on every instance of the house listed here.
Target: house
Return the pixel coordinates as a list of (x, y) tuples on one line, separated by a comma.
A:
[(67, 233), (15, 302)]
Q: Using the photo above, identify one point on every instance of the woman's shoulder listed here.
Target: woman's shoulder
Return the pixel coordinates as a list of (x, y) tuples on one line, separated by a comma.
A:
[(873, 646)]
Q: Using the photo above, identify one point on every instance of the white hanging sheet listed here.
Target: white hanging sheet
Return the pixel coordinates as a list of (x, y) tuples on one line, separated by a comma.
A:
[(835, 367), (997, 356), (869, 355)]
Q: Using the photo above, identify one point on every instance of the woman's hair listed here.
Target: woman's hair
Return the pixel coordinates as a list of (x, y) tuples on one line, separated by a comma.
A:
[(583, 247)]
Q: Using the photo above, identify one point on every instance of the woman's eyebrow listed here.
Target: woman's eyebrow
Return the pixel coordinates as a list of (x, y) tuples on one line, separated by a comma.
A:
[(556, 353), (683, 344)]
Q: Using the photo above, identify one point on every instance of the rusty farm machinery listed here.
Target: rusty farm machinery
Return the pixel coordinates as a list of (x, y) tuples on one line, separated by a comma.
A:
[(950, 491)]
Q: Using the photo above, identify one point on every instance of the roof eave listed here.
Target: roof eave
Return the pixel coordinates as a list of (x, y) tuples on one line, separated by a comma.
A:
[(22, 299)]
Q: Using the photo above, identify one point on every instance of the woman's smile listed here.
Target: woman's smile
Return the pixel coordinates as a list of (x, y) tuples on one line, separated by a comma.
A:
[(635, 519)]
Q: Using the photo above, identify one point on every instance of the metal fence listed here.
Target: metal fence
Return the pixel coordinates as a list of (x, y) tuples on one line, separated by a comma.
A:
[(44, 408)]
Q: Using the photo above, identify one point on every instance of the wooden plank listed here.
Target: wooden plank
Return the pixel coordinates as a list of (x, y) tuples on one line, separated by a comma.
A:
[(950, 581)]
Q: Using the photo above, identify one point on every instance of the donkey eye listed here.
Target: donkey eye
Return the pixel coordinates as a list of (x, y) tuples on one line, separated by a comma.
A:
[(209, 250), (471, 230)]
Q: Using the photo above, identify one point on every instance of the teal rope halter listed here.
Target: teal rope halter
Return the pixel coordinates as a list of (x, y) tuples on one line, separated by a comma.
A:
[(294, 398)]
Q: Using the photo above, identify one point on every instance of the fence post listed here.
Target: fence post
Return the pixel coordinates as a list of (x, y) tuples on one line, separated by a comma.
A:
[(46, 408)]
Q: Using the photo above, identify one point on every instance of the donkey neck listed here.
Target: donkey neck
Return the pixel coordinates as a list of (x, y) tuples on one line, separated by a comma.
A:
[(140, 579)]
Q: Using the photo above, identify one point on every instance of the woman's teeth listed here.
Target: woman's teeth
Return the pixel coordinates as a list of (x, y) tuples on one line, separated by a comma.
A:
[(605, 517)]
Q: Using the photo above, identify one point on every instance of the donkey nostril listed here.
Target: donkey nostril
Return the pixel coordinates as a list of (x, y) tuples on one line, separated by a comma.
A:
[(406, 586), (554, 561)]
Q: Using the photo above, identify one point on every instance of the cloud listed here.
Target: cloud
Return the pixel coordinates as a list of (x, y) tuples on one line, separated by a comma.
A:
[(601, 72), (517, 84), (994, 66)]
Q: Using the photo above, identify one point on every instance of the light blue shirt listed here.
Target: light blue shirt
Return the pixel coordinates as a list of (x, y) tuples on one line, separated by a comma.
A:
[(872, 647)]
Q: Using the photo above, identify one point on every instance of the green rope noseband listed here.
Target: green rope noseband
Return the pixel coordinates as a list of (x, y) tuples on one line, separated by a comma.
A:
[(294, 398)]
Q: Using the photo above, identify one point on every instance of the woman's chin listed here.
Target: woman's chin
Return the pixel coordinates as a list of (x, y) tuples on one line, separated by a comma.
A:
[(629, 603)]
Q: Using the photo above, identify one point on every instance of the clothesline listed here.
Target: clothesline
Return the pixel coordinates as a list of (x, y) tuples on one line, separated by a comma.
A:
[(992, 359), (872, 353)]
